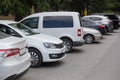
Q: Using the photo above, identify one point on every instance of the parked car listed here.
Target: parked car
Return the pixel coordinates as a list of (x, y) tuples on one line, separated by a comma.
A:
[(94, 25), (64, 25), (102, 20), (119, 20), (42, 47), (14, 57), (91, 35), (115, 19)]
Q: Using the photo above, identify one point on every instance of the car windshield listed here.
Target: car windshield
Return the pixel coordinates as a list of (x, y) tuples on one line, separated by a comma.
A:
[(27, 31)]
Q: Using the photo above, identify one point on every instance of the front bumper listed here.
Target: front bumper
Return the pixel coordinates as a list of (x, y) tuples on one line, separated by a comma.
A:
[(56, 56), (52, 55)]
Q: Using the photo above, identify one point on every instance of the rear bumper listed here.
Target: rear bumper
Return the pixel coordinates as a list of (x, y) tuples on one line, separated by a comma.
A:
[(14, 68), (22, 74), (78, 43), (16, 76)]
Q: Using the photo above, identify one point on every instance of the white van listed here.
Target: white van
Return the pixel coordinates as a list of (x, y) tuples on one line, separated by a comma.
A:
[(64, 25)]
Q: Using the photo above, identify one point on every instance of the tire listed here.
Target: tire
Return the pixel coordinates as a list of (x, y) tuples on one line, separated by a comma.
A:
[(36, 57), (88, 39), (111, 31), (68, 44)]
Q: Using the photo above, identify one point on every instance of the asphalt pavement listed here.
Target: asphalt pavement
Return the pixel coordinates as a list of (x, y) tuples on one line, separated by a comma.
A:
[(97, 61), (108, 68)]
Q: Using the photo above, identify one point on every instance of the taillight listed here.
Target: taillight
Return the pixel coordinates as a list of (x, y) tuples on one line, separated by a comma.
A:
[(79, 32), (8, 52), (101, 26)]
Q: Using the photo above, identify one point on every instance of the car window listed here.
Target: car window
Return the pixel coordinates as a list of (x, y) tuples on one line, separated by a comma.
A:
[(3, 35), (57, 21), (95, 18), (27, 31), (31, 22), (86, 23), (9, 31)]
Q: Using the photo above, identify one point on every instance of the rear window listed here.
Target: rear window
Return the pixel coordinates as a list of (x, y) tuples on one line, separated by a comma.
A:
[(3, 35), (95, 18), (87, 23), (57, 21)]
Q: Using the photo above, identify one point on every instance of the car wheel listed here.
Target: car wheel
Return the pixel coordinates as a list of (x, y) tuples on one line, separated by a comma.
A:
[(88, 39), (111, 30), (68, 44), (36, 57)]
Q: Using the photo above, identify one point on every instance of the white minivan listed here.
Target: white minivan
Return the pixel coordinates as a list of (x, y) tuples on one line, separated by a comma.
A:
[(64, 25)]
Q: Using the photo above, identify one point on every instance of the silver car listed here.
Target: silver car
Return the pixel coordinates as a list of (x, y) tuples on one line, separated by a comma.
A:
[(91, 35), (14, 57)]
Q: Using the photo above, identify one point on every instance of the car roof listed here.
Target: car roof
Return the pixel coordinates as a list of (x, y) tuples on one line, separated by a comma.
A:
[(95, 16), (101, 16), (7, 22), (53, 13)]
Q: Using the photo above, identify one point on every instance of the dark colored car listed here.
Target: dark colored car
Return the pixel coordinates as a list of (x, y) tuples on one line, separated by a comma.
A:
[(115, 20), (112, 17), (95, 25)]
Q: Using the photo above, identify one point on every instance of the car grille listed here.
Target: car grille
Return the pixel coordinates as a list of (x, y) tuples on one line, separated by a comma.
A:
[(56, 56)]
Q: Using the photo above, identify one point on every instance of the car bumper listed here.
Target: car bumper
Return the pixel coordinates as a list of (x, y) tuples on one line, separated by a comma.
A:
[(52, 55), (9, 69)]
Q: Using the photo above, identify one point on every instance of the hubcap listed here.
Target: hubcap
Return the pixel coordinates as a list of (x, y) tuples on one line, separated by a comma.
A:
[(34, 58), (67, 44), (89, 39)]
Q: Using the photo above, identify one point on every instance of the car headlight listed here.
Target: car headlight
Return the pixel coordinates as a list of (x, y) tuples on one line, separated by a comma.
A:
[(49, 45)]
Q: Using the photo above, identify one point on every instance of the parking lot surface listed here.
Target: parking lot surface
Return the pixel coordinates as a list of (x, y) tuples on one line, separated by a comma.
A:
[(97, 61)]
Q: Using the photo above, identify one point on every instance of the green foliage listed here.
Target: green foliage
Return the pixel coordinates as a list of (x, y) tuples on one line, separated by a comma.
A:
[(22, 8)]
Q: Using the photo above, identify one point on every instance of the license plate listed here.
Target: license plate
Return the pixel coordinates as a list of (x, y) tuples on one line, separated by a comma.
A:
[(23, 51)]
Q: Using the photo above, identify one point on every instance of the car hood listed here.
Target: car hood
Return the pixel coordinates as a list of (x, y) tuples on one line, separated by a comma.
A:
[(44, 38)]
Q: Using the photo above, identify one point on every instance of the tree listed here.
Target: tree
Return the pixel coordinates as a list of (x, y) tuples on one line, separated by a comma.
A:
[(14, 7), (21, 8)]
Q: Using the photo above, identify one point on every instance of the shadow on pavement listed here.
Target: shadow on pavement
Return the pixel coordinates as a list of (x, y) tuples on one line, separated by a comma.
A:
[(52, 64), (76, 50), (96, 42), (108, 34)]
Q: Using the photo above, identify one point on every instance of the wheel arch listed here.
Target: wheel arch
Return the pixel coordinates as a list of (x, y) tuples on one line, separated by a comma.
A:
[(37, 50), (89, 34), (65, 37)]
